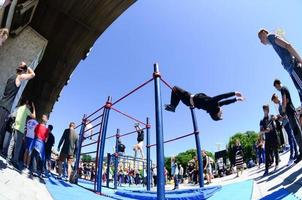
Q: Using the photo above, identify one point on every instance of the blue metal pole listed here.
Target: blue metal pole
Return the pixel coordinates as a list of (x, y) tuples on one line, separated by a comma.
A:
[(116, 158), (108, 169), (102, 146), (159, 136), (79, 149), (198, 148), (148, 156)]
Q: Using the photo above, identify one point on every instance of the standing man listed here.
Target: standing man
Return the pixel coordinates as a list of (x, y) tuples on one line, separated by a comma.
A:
[(18, 133), (11, 89), (289, 109), (174, 172), (181, 174), (291, 139), (48, 147), (290, 59), (268, 128), (69, 141)]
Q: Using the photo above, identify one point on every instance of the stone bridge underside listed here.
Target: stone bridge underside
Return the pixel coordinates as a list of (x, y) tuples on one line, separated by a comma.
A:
[(71, 28)]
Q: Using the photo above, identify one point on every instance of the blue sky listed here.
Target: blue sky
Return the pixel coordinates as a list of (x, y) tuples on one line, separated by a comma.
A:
[(202, 46)]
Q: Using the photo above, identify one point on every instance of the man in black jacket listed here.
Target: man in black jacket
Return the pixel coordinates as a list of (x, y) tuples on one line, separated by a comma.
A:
[(201, 101)]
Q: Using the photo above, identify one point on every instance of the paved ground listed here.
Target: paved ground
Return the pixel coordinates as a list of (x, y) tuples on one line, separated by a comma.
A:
[(16, 186)]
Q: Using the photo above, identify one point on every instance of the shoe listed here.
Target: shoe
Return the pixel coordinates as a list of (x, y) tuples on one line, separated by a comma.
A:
[(9, 164), (59, 177), (265, 173), (298, 159), (290, 162), (276, 167), (25, 171), (169, 108)]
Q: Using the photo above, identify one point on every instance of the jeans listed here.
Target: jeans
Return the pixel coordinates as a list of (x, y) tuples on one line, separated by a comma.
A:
[(15, 146), (36, 163), (3, 121), (175, 181), (294, 124), (261, 155), (292, 141), (6, 141), (269, 150), (296, 76)]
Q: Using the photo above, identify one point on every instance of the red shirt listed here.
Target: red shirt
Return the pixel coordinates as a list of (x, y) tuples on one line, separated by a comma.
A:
[(41, 132)]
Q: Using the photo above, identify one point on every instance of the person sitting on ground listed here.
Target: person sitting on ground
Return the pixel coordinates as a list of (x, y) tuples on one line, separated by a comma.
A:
[(202, 101), (140, 141)]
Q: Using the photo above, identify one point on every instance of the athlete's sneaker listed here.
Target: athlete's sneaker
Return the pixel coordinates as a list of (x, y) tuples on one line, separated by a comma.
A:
[(265, 173), (298, 159), (276, 167), (290, 162), (169, 108)]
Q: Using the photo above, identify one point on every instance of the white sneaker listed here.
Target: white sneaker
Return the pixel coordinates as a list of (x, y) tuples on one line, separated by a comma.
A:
[(290, 162), (276, 168)]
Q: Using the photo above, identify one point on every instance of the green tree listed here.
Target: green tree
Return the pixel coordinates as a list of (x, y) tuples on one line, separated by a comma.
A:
[(247, 140), (86, 158)]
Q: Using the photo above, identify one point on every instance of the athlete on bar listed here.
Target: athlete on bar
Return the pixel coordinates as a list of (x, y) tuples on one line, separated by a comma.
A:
[(202, 101), (140, 141)]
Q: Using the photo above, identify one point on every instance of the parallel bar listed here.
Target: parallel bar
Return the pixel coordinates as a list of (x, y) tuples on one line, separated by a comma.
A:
[(98, 117), (148, 156), (177, 138), (159, 136), (89, 152), (128, 116), (166, 83), (95, 112), (101, 149), (97, 153), (93, 127), (124, 134), (198, 148), (92, 135), (85, 145), (132, 91)]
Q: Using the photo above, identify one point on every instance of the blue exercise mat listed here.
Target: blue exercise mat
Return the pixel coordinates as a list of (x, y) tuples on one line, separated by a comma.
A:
[(236, 191), (189, 194), (61, 190), (280, 194)]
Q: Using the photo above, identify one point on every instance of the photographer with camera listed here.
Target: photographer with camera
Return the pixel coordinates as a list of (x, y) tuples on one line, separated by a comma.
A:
[(11, 89)]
